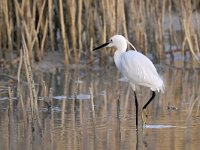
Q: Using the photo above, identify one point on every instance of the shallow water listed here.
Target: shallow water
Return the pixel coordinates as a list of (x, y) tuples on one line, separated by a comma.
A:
[(93, 108)]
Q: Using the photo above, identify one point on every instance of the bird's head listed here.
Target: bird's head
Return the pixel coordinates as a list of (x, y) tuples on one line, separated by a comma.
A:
[(117, 41)]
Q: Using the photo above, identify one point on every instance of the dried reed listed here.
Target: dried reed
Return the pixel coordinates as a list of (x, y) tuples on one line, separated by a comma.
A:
[(80, 23), (19, 93)]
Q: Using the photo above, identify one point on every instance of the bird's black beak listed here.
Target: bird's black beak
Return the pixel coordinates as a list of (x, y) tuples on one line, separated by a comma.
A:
[(103, 45)]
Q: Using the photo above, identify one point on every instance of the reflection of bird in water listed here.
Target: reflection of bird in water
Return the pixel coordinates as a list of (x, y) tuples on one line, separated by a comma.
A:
[(136, 67)]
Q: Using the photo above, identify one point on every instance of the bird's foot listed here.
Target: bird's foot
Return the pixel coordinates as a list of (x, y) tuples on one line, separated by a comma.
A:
[(144, 116)]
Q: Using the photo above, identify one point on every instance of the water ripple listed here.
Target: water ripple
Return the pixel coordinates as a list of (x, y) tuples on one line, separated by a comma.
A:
[(160, 126)]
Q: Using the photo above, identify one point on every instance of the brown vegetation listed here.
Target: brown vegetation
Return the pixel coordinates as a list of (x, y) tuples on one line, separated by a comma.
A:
[(74, 26)]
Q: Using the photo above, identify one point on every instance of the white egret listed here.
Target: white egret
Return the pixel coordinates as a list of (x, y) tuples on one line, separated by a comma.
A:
[(136, 67)]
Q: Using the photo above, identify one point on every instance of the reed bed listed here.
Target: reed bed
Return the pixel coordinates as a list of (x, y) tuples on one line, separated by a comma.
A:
[(72, 27)]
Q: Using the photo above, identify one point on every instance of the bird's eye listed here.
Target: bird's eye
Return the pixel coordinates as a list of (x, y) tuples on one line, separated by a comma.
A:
[(111, 40)]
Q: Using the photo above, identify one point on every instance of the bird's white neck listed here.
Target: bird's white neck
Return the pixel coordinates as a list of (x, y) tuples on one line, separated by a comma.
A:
[(121, 46), (117, 56)]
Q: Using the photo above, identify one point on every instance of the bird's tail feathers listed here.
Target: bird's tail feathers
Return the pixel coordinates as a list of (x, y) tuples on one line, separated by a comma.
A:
[(162, 87), (159, 87)]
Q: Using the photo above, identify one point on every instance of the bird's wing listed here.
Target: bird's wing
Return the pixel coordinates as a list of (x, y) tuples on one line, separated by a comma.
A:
[(139, 69)]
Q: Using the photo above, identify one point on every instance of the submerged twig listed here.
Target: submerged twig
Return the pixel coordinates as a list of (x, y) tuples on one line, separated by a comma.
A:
[(19, 93), (92, 103)]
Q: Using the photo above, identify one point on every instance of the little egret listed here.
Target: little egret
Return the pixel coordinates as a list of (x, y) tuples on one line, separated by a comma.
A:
[(136, 67)]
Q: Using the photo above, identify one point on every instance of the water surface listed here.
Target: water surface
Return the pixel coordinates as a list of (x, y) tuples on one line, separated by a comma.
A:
[(93, 108)]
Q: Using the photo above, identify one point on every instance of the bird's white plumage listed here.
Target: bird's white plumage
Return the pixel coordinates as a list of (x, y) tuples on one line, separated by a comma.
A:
[(135, 66), (140, 70)]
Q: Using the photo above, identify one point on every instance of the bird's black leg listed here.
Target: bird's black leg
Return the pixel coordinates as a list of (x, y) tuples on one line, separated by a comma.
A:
[(145, 106), (152, 97), (136, 106)]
